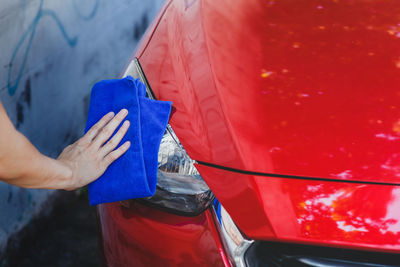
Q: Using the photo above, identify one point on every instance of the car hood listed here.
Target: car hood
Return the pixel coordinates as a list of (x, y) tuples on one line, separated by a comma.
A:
[(285, 92), (309, 89), (291, 88)]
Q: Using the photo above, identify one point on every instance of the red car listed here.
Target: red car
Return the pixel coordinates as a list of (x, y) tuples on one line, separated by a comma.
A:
[(288, 113)]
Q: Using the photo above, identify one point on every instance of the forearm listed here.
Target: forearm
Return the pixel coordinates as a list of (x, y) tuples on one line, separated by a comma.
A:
[(79, 164), (24, 166)]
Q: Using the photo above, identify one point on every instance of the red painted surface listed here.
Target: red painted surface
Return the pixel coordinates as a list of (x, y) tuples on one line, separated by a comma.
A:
[(305, 87), (329, 213), (149, 32), (142, 236)]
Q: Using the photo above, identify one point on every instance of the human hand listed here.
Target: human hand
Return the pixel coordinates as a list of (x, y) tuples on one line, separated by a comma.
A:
[(88, 158)]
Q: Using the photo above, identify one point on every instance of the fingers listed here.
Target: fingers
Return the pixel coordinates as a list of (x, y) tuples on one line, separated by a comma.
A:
[(92, 133), (110, 158), (109, 129), (114, 141)]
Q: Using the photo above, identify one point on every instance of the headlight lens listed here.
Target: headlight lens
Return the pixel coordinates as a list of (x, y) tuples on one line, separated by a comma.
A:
[(173, 159), (180, 188)]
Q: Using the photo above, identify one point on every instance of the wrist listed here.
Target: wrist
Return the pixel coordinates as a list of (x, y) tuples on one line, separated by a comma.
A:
[(65, 180), (57, 174)]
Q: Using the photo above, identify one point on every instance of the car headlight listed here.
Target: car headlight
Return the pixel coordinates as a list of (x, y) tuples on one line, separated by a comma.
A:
[(180, 188)]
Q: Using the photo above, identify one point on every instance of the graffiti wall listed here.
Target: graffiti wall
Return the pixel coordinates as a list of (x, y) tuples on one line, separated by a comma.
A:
[(52, 52)]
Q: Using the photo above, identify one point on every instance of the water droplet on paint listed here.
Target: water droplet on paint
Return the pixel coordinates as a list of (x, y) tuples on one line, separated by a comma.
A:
[(302, 95), (396, 127), (296, 45), (274, 149), (265, 73)]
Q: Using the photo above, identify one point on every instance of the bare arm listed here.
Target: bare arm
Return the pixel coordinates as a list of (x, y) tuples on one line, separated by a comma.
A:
[(82, 162)]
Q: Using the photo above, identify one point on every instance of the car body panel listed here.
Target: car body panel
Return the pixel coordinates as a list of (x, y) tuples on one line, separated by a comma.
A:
[(138, 235), (305, 88), (281, 92), (308, 211)]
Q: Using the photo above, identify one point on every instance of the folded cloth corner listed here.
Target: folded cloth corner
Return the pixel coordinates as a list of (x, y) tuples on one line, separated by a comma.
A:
[(134, 174)]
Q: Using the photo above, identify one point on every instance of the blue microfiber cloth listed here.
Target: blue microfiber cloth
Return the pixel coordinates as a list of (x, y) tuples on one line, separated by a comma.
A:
[(134, 174)]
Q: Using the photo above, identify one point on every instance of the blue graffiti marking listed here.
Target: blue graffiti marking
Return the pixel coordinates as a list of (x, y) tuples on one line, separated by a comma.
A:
[(29, 34)]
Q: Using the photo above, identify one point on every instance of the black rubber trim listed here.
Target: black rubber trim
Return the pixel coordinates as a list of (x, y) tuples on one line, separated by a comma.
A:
[(273, 175), (146, 82)]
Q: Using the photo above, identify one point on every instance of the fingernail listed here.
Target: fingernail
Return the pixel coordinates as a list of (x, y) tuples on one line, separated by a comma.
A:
[(110, 114), (124, 111), (127, 143), (126, 123)]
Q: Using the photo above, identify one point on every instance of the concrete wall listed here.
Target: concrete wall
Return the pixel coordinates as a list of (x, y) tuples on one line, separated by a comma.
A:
[(52, 52)]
